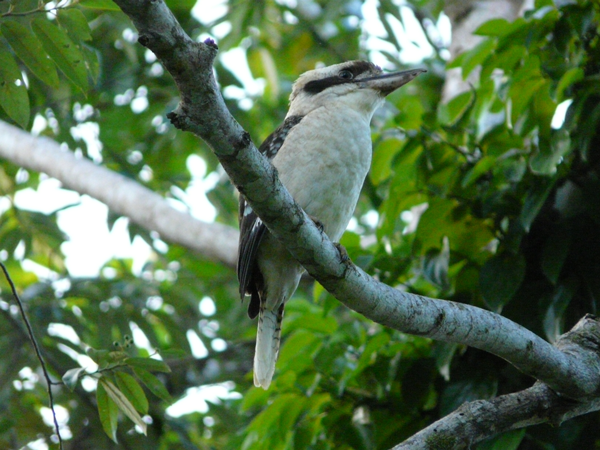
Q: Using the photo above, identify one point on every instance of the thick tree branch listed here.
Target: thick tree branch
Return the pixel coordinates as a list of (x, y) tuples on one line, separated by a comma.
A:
[(466, 17), (476, 421), (203, 112), (122, 195)]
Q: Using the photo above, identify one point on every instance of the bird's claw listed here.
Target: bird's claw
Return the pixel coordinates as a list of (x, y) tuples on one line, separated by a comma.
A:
[(342, 251), (318, 223)]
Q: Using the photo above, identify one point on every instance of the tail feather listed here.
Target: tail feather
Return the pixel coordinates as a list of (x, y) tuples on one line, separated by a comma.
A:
[(267, 345)]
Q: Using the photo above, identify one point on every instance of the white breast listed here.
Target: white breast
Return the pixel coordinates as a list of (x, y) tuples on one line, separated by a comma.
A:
[(323, 163)]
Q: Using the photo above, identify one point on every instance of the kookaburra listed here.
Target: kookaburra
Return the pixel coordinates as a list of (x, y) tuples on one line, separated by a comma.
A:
[(322, 152)]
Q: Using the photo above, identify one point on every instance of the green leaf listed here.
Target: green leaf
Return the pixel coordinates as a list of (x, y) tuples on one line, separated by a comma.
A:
[(106, 5), (526, 82), (254, 398), (106, 359), (183, 6), (318, 290), (374, 344), (122, 402), (297, 351), (262, 64), (133, 391), (71, 377), (350, 240), (153, 384), (29, 50), (63, 52), (450, 113), (91, 62), (13, 97), (280, 416), (506, 60), (410, 113), (477, 56), (500, 278), (545, 160), (434, 221), (443, 352), (457, 62), (96, 355), (521, 93), (445, 218), (436, 263), (494, 27), (151, 364), (569, 78), (402, 195), (313, 322), (75, 23), (173, 353), (484, 165), (383, 153), (108, 411), (536, 196)]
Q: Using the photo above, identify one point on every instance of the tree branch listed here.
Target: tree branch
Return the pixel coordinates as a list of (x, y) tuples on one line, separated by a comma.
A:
[(38, 352), (203, 112), (466, 16), (122, 195), (476, 421)]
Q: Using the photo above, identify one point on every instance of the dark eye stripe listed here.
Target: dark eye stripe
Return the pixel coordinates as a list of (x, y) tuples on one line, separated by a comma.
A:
[(357, 68), (316, 86)]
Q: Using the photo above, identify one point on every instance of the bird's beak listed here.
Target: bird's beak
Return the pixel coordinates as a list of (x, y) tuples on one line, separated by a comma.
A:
[(389, 82)]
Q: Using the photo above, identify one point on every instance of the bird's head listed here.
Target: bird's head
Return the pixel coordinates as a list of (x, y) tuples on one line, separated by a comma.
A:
[(355, 85)]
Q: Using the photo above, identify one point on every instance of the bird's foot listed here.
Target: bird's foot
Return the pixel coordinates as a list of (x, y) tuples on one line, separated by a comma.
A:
[(342, 251), (318, 223)]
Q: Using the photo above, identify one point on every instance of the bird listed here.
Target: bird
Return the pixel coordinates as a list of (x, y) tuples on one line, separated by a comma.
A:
[(322, 153)]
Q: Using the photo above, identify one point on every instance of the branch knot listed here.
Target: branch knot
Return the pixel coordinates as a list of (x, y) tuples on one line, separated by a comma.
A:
[(178, 120), (211, 43)]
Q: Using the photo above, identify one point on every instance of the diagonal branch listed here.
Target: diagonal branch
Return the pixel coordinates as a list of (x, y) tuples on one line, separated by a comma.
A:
[(121, 194), (203, 112), (475, 421)]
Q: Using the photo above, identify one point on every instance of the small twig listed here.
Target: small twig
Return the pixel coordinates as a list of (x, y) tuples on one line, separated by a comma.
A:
[(435, 136), (40, 9), (37, 351)]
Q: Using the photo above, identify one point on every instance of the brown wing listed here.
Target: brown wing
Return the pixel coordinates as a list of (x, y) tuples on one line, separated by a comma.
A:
[(252, 230)]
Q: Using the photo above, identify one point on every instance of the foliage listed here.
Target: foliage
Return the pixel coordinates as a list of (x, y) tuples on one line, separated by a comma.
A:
[(480, 200), (116, 389)]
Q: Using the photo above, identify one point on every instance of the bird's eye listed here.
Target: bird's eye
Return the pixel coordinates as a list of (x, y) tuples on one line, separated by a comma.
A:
[(346, 75)]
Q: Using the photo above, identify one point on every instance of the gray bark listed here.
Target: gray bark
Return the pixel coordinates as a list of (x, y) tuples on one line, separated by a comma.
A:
[(121, 194), (568, 372), (466, 17), (571, 368)]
